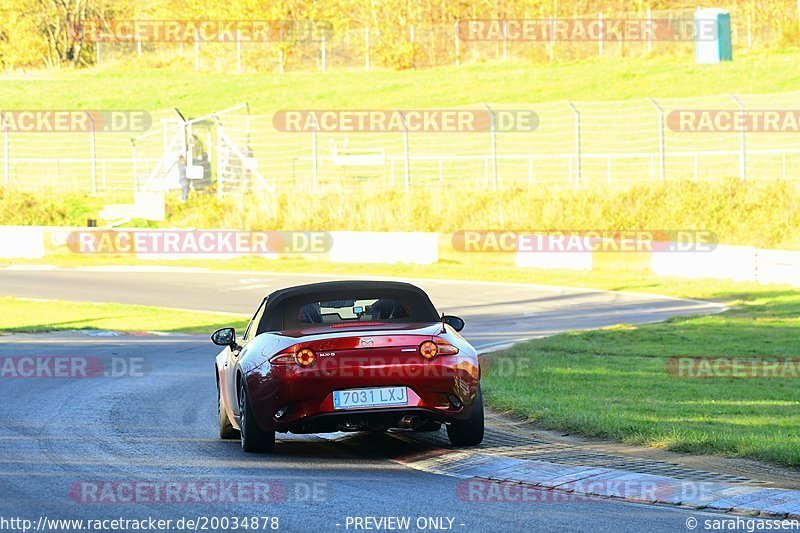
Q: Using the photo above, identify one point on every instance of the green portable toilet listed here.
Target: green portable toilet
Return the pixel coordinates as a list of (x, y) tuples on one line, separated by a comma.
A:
[(712, 36)]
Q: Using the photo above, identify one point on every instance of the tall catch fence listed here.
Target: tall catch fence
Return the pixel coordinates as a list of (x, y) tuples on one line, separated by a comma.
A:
[(576, 144)]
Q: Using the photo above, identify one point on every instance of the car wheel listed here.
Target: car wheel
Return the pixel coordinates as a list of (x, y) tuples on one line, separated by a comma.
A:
[(468, 432), (226, 430), (253, 439)]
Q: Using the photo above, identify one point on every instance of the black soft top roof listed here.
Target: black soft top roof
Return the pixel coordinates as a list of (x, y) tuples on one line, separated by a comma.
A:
[(283, 305)]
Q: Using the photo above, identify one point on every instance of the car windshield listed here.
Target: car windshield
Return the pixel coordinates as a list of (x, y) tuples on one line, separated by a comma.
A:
[(346, 311)]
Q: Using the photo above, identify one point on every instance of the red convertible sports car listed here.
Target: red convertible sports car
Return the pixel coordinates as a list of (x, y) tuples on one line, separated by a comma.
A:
[(347, 356)]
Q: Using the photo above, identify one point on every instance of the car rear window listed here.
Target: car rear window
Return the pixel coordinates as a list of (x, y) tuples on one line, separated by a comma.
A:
[(355, 310)]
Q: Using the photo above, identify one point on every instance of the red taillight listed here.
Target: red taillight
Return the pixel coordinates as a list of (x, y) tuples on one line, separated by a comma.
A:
[(428, 350), (283, 359), (445, 348), (305, 357)]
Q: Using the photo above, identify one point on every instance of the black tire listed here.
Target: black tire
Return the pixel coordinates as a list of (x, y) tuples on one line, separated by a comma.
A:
[(253, 439), (468, 432), (226, 430)]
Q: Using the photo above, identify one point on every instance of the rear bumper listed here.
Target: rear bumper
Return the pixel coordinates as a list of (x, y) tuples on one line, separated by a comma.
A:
[(441, 390)]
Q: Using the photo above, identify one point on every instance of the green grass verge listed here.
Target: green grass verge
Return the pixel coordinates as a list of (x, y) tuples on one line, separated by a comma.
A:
[(24, 315), (613, 383), (659, 76)]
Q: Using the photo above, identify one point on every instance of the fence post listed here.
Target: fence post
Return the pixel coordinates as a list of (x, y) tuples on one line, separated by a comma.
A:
[(650, 30), (323, 53), (6, 152), (314, 170), (406, 155), (505, 40), (413, 47), (93, 154), (576, 114), (366, 48), (783, 165), (600, 34), (493, 137), (661, 143), (238, 51), (457, 42), (742, 145), (196, 51), (135, 165)]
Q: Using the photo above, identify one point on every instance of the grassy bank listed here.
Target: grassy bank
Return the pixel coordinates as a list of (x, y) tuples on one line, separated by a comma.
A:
[(592, 79), (23, 315), (763, 214), (614, 383)]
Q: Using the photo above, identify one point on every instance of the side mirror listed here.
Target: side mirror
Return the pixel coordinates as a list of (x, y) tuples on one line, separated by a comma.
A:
[(224, 337), (454, 322)]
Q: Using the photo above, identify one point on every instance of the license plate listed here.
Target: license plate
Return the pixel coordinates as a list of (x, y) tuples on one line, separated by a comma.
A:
[(365, 398)]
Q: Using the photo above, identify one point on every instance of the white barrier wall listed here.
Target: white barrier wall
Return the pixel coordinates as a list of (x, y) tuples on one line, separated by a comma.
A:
[(384, 247), (726, 262), (21, 242), (778, 266), (739, 263)]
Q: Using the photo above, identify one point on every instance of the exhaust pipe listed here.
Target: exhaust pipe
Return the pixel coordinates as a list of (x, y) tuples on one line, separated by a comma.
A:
[(410, 422)]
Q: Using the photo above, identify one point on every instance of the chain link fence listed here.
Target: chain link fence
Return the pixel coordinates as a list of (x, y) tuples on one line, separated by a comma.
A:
[(576, 144)]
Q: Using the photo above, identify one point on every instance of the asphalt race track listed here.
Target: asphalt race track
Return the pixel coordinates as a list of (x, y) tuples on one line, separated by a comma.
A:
[(95, 448)]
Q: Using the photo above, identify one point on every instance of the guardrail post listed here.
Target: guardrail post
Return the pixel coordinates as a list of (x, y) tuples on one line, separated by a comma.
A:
[(661, 142), (742, 144), (93, 154), (493, 137), (576, 114)]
